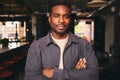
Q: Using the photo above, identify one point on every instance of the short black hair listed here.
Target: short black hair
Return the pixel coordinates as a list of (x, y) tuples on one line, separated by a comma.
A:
[(56, 4)]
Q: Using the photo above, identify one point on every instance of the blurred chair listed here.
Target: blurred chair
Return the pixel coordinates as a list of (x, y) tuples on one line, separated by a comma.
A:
[(6, 75)]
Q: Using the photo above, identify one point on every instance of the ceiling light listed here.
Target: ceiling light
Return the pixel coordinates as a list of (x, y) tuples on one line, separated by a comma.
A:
[(96, 3), (83, 14)]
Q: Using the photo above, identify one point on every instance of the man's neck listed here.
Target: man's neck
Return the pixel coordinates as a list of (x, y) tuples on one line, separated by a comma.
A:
[(59, 36)]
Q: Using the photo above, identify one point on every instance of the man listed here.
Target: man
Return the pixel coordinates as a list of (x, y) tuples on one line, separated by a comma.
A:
[(61, 55)]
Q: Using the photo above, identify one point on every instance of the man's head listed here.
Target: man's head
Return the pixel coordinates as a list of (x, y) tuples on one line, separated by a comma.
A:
[(59, 19)]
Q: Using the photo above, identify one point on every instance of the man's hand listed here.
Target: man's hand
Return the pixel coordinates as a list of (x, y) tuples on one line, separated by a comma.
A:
[(48, 73), (81, 64)]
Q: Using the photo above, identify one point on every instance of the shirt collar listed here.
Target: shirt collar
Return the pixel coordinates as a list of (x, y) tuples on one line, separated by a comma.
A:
[(71, 38)]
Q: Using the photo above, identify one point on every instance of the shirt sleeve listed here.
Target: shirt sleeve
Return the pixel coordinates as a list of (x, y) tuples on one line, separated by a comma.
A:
[(33, 68), (91, 72)]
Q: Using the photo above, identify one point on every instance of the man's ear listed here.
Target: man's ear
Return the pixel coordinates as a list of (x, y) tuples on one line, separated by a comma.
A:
[(49, 19)]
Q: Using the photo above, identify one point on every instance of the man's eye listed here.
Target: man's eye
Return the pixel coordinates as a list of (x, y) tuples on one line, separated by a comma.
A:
[(56, 15), (67, 16)]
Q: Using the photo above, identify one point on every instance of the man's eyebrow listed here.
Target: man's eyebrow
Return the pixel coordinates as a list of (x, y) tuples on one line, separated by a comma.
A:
[(62, 14)]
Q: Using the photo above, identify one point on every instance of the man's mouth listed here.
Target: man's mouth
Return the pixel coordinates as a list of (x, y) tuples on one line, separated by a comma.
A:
[(60, 27)]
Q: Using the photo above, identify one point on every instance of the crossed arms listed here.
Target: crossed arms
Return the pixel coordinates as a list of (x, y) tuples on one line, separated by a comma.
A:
[(84, 69), (49, 72)]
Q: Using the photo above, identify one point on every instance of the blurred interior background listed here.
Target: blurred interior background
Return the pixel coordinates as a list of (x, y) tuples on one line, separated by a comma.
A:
[(22, 21)]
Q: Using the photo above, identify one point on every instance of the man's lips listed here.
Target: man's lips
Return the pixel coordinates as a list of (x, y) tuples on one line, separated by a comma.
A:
[(60, 27)]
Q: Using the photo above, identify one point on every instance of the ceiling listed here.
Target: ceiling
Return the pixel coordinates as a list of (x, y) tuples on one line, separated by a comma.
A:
[(26, 7)]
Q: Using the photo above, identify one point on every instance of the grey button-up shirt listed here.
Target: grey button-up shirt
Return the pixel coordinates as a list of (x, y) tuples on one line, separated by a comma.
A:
[(44, 53)]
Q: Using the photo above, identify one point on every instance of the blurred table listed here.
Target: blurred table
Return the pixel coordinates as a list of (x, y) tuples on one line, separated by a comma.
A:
[(11, 45)]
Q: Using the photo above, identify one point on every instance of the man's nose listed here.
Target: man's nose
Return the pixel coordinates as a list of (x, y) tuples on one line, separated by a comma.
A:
[(61, 19)]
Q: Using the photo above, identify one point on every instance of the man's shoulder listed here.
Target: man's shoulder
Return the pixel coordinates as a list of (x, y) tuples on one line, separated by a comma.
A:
[(76, 38), (41, 40), (79, 40), (36, 41)]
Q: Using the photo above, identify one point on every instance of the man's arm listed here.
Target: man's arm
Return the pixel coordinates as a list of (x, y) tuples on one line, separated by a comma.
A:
[(90, 72), (33, 68), (80, 65)]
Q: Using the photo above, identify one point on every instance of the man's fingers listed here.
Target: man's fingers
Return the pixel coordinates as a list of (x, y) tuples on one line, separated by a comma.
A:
[(84, 66), (84, 60), (48, 73), (81, 64), (78, 64)]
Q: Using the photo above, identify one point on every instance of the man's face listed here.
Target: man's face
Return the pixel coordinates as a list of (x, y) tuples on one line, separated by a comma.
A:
[(60, 19)]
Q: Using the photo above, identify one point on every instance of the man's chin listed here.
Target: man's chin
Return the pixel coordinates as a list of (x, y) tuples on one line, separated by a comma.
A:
[(62, 32)]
